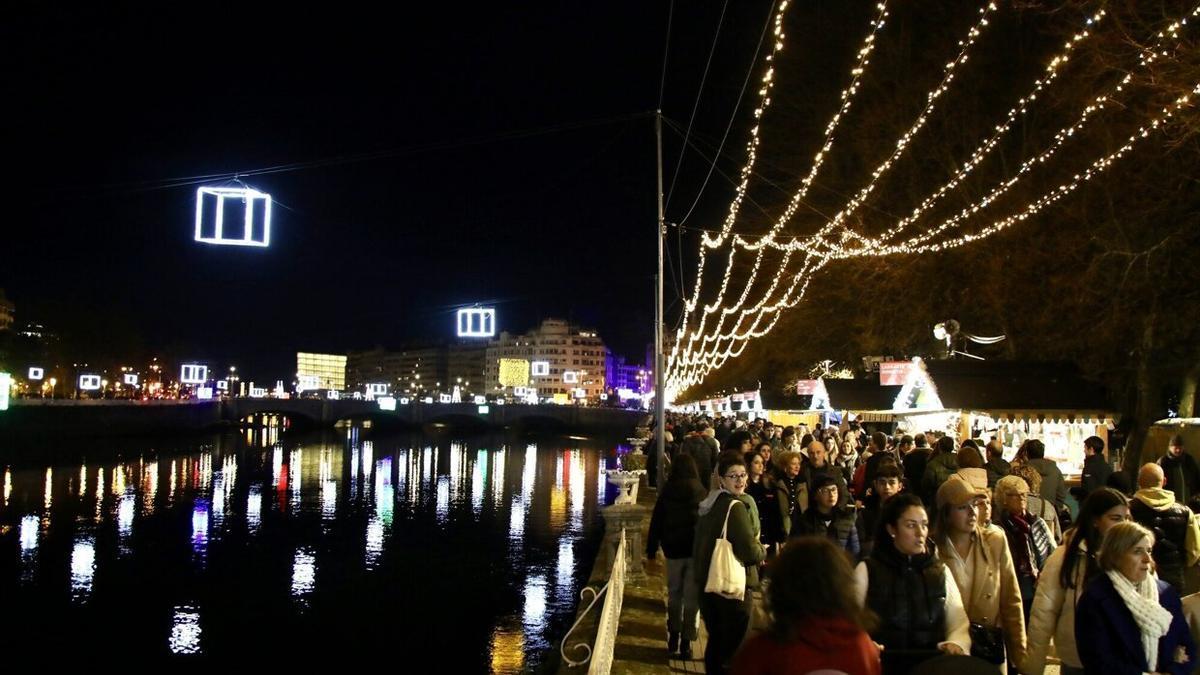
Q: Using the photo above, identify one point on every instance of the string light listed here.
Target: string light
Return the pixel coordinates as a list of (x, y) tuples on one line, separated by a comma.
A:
[(690, 366)]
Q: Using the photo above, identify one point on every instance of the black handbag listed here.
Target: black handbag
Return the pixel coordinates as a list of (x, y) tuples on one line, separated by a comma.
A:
[(987, 643)]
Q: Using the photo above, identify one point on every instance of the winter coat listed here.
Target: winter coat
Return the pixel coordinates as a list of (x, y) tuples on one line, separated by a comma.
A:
[(1176, 537), (1054, 485), (989, 588), (790, 497), (997, 468), (1053, 613), (842, 527), (673, 522), (1183, 477), (831, 644), (766, 498), (1095, 475), (915, 463), (743, 534), (937, 470), (1109, 640)]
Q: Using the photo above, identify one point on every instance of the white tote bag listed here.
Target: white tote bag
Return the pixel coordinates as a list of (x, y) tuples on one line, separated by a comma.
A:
[(726, 574)]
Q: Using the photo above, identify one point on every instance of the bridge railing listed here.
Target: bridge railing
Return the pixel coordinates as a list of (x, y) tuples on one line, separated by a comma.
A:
[(601, 653)]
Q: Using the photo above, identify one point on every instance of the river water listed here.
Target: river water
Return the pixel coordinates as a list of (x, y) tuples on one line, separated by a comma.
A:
[(470, 551)]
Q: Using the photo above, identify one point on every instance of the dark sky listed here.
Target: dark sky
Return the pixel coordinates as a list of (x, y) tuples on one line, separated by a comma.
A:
[(105, 106)]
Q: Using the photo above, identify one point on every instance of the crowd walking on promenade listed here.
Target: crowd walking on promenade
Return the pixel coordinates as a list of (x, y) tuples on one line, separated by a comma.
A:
[(843, 549)]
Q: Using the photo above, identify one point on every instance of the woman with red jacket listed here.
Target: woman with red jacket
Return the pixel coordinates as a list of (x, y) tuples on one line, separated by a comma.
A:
[(815, 626)]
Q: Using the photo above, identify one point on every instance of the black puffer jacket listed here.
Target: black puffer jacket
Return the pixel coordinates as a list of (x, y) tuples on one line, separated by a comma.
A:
[(673, 523)]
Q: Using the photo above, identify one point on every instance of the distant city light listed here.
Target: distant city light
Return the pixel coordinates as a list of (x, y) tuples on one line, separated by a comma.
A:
[(445, 398), (580, 393), (480, 400), (540, 368), (403, 401), (514, 372), (603, 397), (333, 395), (483, 410), (131, 379), (570, 377), (89, 382), (428, 399), (5, 385), (308, 382), (36, 373), (386, 403), (254, 231), (222, 385), (376, 389), (204, 393), (476, 322), (258, 392), (193, 373)]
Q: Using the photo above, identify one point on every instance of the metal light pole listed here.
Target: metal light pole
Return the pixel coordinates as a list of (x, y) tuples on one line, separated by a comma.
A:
[(659, 376)]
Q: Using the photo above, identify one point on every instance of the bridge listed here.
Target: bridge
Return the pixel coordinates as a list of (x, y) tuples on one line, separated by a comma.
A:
[(37, 417)]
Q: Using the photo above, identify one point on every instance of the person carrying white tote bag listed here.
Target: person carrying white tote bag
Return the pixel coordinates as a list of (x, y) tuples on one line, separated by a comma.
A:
[(726, 574)]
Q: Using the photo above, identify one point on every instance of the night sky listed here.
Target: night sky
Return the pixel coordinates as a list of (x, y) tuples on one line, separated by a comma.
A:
[(512, 163)]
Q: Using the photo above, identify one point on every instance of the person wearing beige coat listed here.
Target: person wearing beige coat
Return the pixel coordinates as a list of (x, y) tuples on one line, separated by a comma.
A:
[(982, 567), (1053, 613)]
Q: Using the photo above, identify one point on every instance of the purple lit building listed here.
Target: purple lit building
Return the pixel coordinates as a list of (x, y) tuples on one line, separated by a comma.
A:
[(619, 375)]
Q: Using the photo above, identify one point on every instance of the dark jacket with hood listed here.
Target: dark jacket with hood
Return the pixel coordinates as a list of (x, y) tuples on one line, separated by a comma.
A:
[(673, 523), (743, 534)]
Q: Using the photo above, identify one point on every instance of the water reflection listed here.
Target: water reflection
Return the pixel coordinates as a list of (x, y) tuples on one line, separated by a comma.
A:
[(185, 631), (240, 524)]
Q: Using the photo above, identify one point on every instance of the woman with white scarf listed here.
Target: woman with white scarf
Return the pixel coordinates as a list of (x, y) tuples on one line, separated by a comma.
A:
[(1128, 621)]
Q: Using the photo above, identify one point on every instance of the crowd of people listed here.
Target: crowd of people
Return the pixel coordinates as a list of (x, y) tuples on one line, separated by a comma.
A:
[(864, 552)]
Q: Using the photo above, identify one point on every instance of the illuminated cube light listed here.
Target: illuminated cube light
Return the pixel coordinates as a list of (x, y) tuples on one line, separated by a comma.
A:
[(477, 322), (204, 393), (222, 385), (499, 401), (428, 399), (386, 403), (5, 385), (445, 398), (570, 377), (36, 373), (540, 368), (308, 382), (212, 227), (376, 389), (131, 379), (580, 393), (483, 410), (403, 401), (514, 372), (480, 400), (89, 382), (519, 392), (333, 395), (193, 374), (258, 392), (603, 397)]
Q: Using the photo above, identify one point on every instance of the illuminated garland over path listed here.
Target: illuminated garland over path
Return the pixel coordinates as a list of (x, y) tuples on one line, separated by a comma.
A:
[(700, 348)]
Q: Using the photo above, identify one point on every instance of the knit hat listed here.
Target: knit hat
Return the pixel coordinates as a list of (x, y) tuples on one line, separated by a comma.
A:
[(956, 491)]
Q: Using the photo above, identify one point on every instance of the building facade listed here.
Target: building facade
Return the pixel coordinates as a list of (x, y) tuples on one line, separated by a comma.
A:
[(328, 369), (574, 356), (618, 375), (7, 311), (419, 370)]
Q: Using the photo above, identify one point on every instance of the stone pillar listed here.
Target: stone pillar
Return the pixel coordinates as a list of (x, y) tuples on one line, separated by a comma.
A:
[(633, 518)]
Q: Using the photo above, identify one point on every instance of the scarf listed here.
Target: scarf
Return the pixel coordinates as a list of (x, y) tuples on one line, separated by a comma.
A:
[(1153, 621), (1020, 537)]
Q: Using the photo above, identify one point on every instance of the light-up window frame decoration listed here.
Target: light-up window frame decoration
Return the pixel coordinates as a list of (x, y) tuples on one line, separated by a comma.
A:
[(386, 403), (37, 373), (193, 373), (570, 377), (222, 385), (476, 322), (540, 368), (403, 401), (308, 383), (131, 379), (480, 400), (258, 392), (445, 398), (580, 393), (250, 198), (333, 395), (376, 389), (204, 393), (89, 382)]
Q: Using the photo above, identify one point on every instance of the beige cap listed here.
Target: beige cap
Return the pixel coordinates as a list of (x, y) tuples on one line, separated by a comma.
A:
[(956, 491)]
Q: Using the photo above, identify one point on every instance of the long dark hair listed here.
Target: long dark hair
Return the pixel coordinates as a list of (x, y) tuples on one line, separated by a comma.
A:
[(1094, 507), (685, 477), (796, 601)]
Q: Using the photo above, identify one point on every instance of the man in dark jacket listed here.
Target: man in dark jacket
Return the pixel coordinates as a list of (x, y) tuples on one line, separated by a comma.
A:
[(1183, 476), (997, 467), (887, 484), (824, 518), (818, 465), (915, 456), (1176, 537), (1096, 469), (879, 452)]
